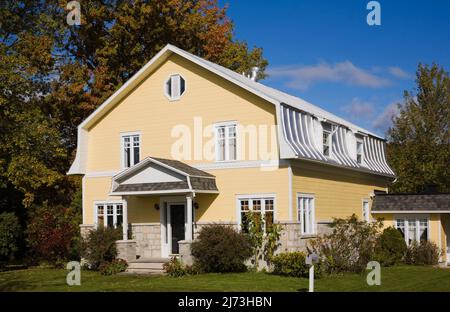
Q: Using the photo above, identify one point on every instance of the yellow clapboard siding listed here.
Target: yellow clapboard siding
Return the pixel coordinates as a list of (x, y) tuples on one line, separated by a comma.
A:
[(148, 110), (338, 192)]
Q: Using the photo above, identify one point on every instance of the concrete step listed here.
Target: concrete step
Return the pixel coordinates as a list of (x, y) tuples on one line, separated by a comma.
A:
[(147, 266)]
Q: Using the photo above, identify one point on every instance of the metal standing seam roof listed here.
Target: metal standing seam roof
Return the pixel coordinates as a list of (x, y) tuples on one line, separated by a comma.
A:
[(411, 202)]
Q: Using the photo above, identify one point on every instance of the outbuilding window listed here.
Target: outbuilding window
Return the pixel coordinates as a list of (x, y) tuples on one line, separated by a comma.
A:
[(413, 229)]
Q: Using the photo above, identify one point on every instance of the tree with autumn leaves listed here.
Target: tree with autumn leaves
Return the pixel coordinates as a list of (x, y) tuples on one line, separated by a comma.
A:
[(53, 75)]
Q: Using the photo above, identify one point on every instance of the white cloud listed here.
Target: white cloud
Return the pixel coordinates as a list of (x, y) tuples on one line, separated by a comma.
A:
[(302, 77), (384, 120), (359, 109), (399, 73)]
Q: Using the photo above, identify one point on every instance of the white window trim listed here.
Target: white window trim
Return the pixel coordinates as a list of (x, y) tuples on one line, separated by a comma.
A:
[(177, 98), (226, 124), (330, 144), (105, 203), (417, 218), (365, 200), (313, 214), (358, 140), (122, 147), (260, 196)]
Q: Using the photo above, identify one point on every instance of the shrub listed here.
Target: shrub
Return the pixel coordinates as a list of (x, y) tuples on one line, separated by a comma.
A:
[(100, 246), (174, 268), (423, 253), (263, 244), (390, 248), (221, 248), (9, 236), (349, 247), (293, 264), (113, 267), (52, 234)]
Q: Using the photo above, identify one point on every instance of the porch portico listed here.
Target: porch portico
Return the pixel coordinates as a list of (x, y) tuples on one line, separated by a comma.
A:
[(169, 188)]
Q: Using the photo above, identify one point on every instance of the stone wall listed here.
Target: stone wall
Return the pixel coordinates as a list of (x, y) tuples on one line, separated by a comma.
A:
[(292, 240), (85, 229), (148, 239), (126, 250)]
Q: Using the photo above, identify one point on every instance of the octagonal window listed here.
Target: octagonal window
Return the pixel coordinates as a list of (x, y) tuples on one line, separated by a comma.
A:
[(175, 87)]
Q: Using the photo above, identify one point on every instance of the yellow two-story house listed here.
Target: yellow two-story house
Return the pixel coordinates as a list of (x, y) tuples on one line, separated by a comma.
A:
[(186, 142)]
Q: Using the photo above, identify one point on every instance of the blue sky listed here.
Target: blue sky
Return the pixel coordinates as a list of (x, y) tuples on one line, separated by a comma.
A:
[(324, 51)]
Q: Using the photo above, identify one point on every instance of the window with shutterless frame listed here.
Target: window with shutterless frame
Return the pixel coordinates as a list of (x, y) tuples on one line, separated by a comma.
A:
[(413, 228), (262, 207), (130, 149), (226, 141), (108, 214), (326, 134), (306, 213)]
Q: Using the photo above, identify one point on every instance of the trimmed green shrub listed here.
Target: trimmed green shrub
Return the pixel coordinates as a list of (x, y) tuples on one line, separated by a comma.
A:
[(100, 246), (10, 230), (221, 248), (349, 247), (113, 267), (293, 264), (423, 253), (390, 248)]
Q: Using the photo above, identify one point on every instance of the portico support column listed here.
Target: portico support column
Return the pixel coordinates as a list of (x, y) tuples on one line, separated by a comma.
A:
[(125, 219), (188, 233)]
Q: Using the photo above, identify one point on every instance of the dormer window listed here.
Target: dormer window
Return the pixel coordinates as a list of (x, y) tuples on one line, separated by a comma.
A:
[(326, 139), (175, 87), (359, 151)]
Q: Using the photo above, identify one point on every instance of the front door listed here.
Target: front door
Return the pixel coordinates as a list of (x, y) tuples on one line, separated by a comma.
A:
[(177, 220)]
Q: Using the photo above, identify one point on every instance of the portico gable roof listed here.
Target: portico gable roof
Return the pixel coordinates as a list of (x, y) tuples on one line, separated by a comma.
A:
[(162, 176)]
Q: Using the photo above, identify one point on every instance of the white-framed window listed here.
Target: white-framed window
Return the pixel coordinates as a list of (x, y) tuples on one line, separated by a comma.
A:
[(326, 134), (413, 228), (365, 210), (263, 206), (174, 87), (306, 213), (359, 151), (131, 149), (109, 214), (226, 141)]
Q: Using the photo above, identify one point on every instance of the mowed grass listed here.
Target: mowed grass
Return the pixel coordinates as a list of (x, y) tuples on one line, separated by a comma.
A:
[(399, 278)]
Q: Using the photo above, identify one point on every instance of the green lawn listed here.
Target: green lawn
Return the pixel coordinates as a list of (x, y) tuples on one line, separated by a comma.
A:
[(401, 278)]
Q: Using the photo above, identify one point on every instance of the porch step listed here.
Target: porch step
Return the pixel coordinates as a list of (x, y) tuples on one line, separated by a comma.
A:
[(147, 266)]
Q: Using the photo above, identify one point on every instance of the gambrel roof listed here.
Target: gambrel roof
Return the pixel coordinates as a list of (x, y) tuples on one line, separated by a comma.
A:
[(299, 122)]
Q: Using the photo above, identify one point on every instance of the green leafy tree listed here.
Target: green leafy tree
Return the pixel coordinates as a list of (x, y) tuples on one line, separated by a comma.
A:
[(419, 140)]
